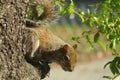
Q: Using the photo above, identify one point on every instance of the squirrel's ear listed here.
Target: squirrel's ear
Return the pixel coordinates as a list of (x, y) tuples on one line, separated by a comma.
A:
[(65, 47), (75, 46)]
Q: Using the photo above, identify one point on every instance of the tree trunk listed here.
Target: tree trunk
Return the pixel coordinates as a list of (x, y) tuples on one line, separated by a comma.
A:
[(14, 39)]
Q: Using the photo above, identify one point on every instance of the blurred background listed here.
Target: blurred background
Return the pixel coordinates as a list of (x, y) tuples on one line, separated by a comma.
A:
[(90, 62)]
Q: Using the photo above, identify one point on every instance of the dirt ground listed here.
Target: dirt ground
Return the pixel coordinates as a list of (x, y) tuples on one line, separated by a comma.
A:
[(83, 71)]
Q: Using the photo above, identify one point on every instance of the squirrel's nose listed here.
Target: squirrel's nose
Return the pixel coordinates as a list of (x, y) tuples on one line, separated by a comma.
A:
[(70, 70)]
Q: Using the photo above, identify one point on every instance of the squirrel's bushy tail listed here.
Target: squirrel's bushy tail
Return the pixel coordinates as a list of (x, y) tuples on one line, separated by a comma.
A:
[(50, 10), (49, 14)]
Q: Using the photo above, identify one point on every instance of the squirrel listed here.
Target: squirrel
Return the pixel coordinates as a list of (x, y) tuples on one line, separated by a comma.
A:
[(47, 47)]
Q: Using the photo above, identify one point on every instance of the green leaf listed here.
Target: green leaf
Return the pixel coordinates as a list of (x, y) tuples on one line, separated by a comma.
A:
[(62, 11), (88, 11), (57, 3), (113, 44), (107, 64), (29, 13), (113, 67), (115, 54), (102, 45), (71, 8), (86, 33), (96, 37), (40, 10), (81, 15), (108, 77), (77, 39), (117, 59), (89, 40)]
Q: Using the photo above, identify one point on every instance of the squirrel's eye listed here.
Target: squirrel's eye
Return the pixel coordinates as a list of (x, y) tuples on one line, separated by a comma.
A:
[(66, 58)]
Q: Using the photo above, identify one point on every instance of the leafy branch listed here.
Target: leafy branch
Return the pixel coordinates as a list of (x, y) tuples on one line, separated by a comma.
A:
[(106, 18)]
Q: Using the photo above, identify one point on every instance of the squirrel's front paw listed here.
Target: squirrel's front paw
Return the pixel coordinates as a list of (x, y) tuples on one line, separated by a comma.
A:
[(45, 68)]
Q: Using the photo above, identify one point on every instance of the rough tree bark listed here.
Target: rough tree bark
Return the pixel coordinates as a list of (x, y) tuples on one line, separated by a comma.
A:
[(14, 39)]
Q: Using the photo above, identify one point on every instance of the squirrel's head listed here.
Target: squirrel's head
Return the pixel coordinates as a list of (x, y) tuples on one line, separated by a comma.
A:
[(68, 57)]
